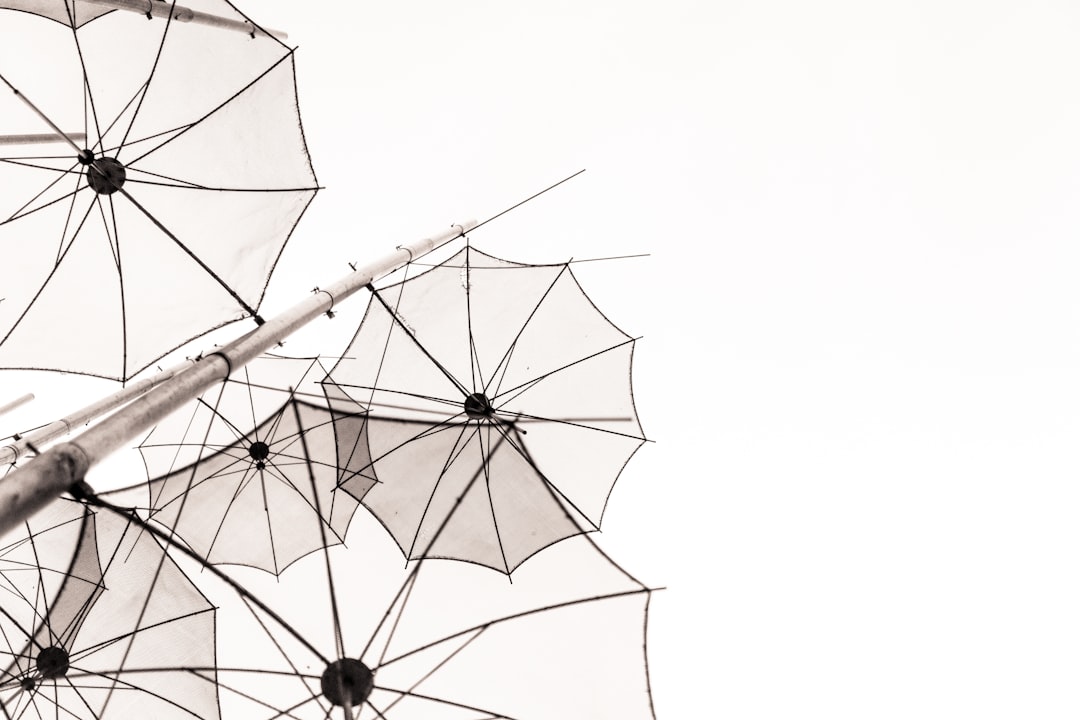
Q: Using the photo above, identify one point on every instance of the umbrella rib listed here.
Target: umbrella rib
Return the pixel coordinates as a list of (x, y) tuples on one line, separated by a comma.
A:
[(239, 434), (571, 423), (411, 336), (485, 460), (247, 308), (283, 478), (117, 681), (19, 214), (476, 373), (455, 452), (141, 94), (556, 493), (228, 506), (89, 107), (100, 144), (435, 669), (280, 712), (420, 696), (61, 173), (78, 694), (339, 641), (296, 635), (405, 393), (528, 384), (46, 619), (90, 650), (236, 586), (52, 272), (185, 128), (504, 363), (67, 219), (517, 616), (19, 162), (183, 185), (269, 524)]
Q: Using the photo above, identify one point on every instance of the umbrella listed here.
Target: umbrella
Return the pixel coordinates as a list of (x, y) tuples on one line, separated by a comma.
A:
[(485, 365), (98, 622), (168, 219), (229, 477)]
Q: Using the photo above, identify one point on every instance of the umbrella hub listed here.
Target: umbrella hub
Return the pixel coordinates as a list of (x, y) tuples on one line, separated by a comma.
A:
[(478, 407), (347, 680), (53, 662), (259, 451), (104, 175)]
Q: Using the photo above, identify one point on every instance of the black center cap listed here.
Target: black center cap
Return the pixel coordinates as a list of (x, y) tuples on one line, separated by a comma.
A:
[(259, 450), (478, 407), (105, 175), (53, 662), (347, 681)]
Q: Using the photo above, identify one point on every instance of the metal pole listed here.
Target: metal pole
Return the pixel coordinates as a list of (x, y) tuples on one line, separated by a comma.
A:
[(30, 488), (39, 138), (16, 403), (184, 14), (57, 428)]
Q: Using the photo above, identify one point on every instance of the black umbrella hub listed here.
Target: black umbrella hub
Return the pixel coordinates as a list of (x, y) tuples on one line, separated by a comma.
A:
[(104, 175), (259, 451), (478, 407), (53, 662), (347, 681)]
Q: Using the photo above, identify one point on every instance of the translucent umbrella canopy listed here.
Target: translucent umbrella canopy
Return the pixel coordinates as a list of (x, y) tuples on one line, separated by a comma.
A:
[(495, 390), (97, 622), (177, 172)]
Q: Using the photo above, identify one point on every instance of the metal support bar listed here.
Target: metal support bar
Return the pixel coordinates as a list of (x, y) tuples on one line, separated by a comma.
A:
[(30, 488), (16, 403), (40, 138), (184, 14)]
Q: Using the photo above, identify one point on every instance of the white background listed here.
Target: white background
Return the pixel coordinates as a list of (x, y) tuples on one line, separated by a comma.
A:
[(859, 316)]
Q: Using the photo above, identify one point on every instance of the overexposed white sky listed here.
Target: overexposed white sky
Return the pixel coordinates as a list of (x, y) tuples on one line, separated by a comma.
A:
[(859, 315)]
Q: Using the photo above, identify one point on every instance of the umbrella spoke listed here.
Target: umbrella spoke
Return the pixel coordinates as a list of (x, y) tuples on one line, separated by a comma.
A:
[(48, 278), (500, 368), (339, 641), (206, 268), (558, 495), (476, 372), (455, 452), (67, 220), (90, 110), (491, 715), (409, 333), (454, 651), (19, 214), (180, 130), (485, 464), (403, 393), (517, 390)]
